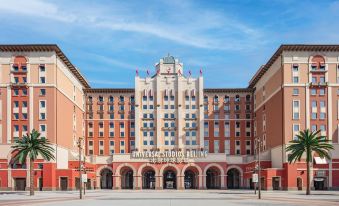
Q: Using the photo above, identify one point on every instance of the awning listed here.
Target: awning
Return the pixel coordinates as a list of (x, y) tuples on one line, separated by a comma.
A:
[(318, 179), (320, 161)]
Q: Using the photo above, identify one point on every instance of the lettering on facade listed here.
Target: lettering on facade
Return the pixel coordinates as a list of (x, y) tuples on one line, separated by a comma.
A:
[(178, 157)]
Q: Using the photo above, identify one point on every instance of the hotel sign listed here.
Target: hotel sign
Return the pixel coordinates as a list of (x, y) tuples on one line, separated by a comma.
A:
[(157, 157)]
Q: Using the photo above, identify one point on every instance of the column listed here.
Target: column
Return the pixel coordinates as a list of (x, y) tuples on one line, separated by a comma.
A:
[(136, 184), (180, 183), (117, 181), (222, 183), (201, 182), (159, 182), (97, 182)]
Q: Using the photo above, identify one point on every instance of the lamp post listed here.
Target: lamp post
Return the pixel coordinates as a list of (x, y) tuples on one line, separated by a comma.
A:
[(259, 170), (80, 165), (84, 167)]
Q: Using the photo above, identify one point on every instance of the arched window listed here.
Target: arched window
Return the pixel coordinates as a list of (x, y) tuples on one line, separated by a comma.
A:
[(205, 98), (227, 99), (132, 99), (237, 98), (90, 99), (121, 98), (111, 98), (216, 98), (101, 99), (248, 98)]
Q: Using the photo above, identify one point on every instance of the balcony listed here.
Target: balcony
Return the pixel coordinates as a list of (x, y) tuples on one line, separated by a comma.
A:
[(17, 71), (100, 102), (18, 84), (147, 118), (89, 102), (110, 103), (169, 128), (318, 70), (121, 111), (318, 84), (110, 112), (191, 118), (170, 118), (121, 102), (190, 128), (100, 111), (147, 128)]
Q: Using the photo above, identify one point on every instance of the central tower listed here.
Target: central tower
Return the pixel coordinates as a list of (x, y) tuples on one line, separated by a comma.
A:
[(169, 111)]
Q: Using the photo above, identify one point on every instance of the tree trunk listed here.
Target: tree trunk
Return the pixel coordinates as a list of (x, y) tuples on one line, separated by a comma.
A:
[(308, 182), (31, 176)]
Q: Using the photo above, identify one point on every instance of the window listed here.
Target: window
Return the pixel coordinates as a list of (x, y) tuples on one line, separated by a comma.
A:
[(314, 80), (206, 145), (216, 146), (227, 147), (216, 129), (295, 79), (42, 116), (42, 104), (314, 128), (206, 129), (16, 92), (42, 80), (295, 109), (296, 129), (24, 92), (322, 92), (237, 98), (313, 92), (295, 92)]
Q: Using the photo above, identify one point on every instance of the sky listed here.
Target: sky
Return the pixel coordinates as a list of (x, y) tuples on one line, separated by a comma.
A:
[(229, 39)]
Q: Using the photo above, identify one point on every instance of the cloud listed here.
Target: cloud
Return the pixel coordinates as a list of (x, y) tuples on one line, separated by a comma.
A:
[(107, 82), (188, 25)]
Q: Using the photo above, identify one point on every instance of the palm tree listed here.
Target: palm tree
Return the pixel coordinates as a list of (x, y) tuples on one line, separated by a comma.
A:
[(32, 145), (308, 142)]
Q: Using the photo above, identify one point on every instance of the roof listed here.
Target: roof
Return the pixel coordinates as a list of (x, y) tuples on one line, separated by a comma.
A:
[(290, 47), (109, 90), (169, 59), (46, 48)]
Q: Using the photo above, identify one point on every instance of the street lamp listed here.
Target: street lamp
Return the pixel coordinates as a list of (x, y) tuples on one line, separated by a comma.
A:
[(259, 170), (84, 167), (79, 143)]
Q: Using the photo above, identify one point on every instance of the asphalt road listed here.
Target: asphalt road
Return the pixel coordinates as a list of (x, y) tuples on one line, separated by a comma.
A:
[(170, 198)]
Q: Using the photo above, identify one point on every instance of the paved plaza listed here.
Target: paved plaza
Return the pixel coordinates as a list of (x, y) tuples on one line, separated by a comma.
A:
[(170, 197)]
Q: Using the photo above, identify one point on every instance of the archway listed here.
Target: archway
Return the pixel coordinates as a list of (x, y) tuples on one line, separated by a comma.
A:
[(233, 179), (213, 178), (170, 179), (126, 178), (148, 178), (191, 178), (299, 183), (106, 180)]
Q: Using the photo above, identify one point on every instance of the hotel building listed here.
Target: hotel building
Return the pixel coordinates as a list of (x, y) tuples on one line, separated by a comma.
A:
[(169, 131)]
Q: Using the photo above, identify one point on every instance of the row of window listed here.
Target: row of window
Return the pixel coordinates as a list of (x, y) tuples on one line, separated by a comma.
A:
[(110, 99), (216, 146), (227, 98), (16, 92)]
